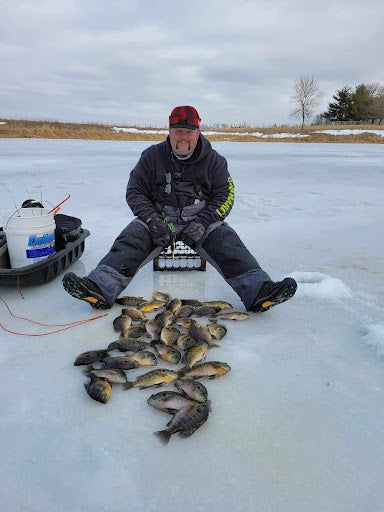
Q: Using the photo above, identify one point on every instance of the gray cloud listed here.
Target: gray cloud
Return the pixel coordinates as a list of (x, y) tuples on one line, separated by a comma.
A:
[(132, 61)]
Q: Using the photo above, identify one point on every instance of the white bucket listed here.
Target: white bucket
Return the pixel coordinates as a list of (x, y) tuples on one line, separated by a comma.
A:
[(30, 235)]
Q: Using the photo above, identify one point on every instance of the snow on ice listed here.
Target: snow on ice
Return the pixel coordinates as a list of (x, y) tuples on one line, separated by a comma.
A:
[(298, 422)]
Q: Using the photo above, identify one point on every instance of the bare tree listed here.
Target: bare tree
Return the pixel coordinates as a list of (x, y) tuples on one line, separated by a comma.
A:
[(307, 96)]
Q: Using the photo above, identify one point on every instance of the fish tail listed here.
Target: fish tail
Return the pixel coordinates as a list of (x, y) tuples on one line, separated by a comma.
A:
[(213, 345), (163, 435), (128, 385)]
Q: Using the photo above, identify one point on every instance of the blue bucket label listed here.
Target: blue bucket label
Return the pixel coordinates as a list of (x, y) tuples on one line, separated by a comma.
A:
[(41, 246), (38, 253)]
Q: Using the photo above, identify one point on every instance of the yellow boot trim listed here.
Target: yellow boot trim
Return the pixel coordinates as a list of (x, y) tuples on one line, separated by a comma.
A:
[(268, 303), (90, 299)]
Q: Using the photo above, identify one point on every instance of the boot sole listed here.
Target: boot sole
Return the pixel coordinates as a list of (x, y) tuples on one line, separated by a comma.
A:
[(282, 294), (73, 285)]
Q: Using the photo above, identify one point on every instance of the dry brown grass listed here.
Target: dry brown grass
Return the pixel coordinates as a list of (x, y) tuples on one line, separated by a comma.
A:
[(18, 128)]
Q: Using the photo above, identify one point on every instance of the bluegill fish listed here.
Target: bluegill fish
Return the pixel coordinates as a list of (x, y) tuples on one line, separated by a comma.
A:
[(154, 378), (130, 301), (201, 333), (186, 421), (195, 354), (205, 310), (218, 331), (169, 401), (147, 307), (174, 305), (99, 389), (89, 357), (168, 354), (143, 358), (120, 362), (210, 369), (153, 329), (192, 389), (122, 323), (135, 331), (134, 313), (183, 311), (231, 315), (185, 341), (221, 304), (113, 376), (164, 319), (161, 296), (185, 323), (129, 344), (191, 302), (169, 335)]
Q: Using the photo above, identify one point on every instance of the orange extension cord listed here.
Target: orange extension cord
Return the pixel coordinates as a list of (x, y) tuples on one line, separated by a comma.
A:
[(64, 326)]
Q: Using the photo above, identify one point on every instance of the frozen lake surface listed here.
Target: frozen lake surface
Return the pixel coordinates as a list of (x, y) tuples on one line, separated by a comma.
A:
[(298, 422)]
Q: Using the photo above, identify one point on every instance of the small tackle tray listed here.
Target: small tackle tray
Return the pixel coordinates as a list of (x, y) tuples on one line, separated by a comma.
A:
[(185, 258), (43, 271)]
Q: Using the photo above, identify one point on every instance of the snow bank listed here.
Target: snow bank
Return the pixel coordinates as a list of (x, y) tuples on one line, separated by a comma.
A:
[(320, 286), (375, 338)]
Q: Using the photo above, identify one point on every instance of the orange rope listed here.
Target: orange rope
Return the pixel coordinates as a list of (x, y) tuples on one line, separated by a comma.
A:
[(65, 326)]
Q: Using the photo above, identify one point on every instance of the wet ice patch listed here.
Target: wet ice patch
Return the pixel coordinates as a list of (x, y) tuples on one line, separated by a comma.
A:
[(375, 338), (320, 286)]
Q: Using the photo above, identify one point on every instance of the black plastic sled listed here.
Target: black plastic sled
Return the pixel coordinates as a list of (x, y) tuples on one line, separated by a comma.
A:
[(43, 271)]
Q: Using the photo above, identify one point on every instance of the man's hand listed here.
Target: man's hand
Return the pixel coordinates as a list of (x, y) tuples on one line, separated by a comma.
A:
[(193, 234), (158, 230)]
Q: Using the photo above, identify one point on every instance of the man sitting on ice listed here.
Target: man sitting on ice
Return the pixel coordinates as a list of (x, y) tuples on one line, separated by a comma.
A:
[(180, 189)]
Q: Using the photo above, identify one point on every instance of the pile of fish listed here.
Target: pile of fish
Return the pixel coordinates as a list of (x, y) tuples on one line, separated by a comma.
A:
[(173, 336)]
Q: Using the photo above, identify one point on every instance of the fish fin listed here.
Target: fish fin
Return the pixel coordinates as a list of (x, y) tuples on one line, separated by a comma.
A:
[(213, 345), (170, 411), (187, 433), (208, 403), (213, 320), (128, 385), (163, 435), (211, 377)]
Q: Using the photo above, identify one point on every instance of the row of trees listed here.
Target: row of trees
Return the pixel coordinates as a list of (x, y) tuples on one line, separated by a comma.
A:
[(365, 103)]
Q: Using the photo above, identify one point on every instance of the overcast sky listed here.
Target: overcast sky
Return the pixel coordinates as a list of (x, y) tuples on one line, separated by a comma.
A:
[(132, 61)]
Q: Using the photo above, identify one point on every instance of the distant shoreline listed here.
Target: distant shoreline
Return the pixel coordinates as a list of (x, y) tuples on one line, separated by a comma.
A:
[(358, 134)]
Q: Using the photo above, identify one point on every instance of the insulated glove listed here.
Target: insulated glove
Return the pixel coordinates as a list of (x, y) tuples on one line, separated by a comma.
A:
[(193, 234), (158, 230)]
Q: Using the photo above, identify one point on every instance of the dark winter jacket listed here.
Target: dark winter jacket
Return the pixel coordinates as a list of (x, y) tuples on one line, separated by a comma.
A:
[(203, 179)]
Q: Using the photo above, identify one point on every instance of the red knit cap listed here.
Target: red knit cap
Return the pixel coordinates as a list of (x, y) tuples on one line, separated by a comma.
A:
[(184, 117)]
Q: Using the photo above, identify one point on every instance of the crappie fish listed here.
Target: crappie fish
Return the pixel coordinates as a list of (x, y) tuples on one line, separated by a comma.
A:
[(169, 401), (221, 304), (174, 305), (192, 389), (154, 378), (113, 376), (218, 331), (183, 311), (186, 421), (164, 319), (185, 323), (168, 354), (185, 341), (130, 301), (210, 369), (201, 333), (153, 329), (122, 323), (143, 358), (89, 357), (205, 310), (161, 296), (134, 313), (129, 344), (99, 389), (169, 335), (195, 354), (120, 362), (147, 307), (231, 315)]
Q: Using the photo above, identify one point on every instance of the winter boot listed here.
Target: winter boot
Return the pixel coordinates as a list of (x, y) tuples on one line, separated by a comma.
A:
[(84, 289), (272, 294)]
